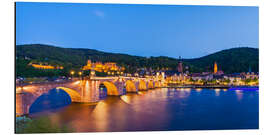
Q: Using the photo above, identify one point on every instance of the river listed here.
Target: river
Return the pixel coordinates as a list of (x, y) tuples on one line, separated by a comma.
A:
[(160, 109)]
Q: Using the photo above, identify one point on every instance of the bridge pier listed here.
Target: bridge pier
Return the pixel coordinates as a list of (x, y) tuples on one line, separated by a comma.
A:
[(90, 91), (20, 106), (23, 102), (120, 85)]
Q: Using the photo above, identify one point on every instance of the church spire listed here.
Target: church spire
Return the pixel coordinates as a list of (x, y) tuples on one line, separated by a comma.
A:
[(215, 68), (180, 65)]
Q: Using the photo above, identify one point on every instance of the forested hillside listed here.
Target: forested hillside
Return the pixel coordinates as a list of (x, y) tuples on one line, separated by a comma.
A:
[(230, 61)]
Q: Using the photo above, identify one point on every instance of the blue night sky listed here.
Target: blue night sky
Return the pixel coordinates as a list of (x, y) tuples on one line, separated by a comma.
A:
[(143, 30)]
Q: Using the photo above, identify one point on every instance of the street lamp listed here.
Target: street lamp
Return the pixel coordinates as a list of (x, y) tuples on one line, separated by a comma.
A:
[(93, 73), (72, 73), (80, 74)]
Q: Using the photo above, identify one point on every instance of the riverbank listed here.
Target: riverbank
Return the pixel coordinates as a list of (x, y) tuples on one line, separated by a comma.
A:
[(194, 87), (214, 87)]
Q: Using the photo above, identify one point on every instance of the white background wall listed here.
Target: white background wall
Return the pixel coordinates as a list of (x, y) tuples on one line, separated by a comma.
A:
[(7, 62)]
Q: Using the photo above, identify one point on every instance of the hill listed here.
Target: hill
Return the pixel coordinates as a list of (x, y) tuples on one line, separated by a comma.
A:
[(233, 60), (230, 61)]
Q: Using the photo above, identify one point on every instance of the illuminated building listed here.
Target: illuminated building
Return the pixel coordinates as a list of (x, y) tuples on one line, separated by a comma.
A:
[(163, 75), (216, 71), (59, 67), (111, 66), (220, 72), (42, 66), (215, 68), (88, 66), (100, 67)]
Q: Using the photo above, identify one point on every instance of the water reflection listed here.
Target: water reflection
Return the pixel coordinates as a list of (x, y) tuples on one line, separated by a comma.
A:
[(126, 98), (239, 94), (164, 109), (199, 89), (101, 115), (217, 92), (184, 93)]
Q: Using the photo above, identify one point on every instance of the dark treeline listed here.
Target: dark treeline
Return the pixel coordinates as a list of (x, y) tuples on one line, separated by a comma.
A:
[(233, 60), (230, 61)]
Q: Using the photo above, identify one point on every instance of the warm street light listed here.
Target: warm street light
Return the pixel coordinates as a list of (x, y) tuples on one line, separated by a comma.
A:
[(72, 72), (92, 73), (80, 74)]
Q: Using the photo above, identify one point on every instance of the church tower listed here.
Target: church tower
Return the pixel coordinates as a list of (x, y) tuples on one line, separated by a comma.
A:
[(89, 63), (215, 68), (180, 65)]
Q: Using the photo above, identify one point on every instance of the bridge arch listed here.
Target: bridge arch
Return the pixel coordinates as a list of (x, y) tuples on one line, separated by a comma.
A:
[(102, 91), (111, 88), (53, 98), (130, 86), (142, 85), (74, 95)]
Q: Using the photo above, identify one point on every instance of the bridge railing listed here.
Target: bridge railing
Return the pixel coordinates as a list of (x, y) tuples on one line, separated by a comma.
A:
[(47, 82), (74, 79)]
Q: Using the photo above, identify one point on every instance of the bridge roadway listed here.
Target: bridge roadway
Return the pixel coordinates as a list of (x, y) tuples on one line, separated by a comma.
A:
[(85, 90)]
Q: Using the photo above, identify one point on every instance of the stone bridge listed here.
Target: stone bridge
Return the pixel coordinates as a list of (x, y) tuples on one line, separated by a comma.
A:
[(82, 90)]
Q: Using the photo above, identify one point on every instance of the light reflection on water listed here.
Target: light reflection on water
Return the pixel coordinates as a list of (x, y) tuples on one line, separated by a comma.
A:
[(163, 109), (239, 94), (217, 92)]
